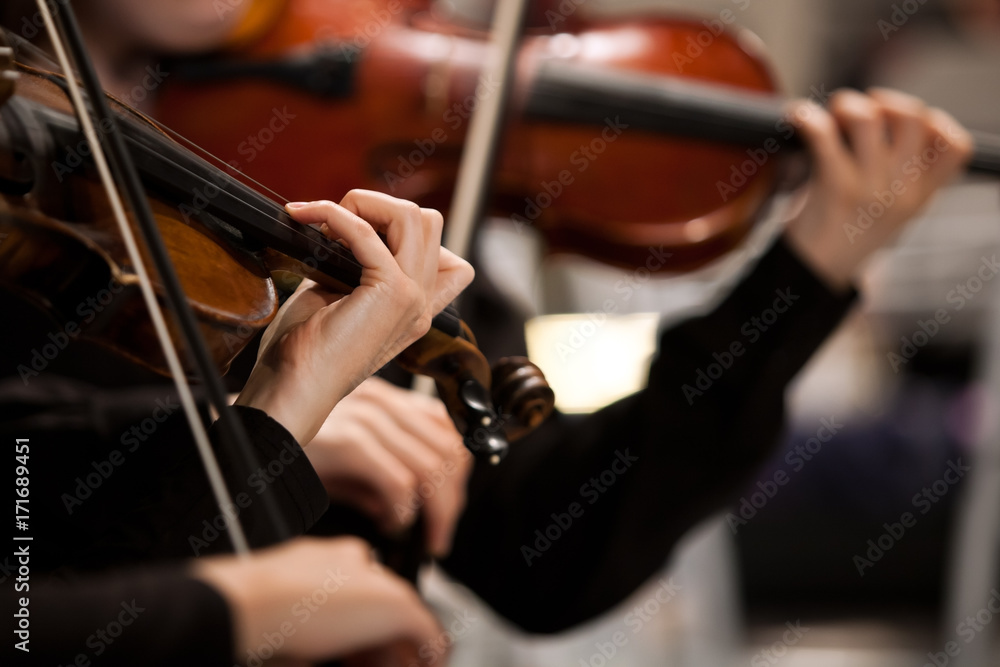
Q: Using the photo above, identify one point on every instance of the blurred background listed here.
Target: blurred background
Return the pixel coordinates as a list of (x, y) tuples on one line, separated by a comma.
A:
[(822, 572), (881, 547)]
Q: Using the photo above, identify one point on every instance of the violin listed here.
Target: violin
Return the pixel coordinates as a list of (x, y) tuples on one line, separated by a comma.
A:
[(228, 244), (677, 117)]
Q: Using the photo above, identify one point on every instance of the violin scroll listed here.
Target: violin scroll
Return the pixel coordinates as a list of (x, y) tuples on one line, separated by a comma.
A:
[(490, 407), (521, 392)]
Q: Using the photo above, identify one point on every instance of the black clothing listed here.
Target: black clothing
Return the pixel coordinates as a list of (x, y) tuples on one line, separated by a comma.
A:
[(115, 481), (149, 616), (609, 492), (673, 453), (101, 497)]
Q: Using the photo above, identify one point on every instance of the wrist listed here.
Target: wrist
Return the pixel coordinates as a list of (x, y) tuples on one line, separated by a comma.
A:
[(232, 578), (822, 257), (301, 413)]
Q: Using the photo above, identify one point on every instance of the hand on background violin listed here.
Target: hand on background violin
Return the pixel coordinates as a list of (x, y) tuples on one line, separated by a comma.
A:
[(393, 453), (322, 345), (325, 599), (878, 158)]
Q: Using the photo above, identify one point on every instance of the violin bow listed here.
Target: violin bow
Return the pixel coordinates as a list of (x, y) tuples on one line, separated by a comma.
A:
[(483, 139), (472, 185), (112, 156)]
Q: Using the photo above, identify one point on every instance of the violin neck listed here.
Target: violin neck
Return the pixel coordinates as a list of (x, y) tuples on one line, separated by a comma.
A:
[(224, 206), (232, 208), (572, 93), (216, 200)]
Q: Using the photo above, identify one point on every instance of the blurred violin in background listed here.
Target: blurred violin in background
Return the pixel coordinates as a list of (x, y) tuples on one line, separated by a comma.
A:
[(623, 134)]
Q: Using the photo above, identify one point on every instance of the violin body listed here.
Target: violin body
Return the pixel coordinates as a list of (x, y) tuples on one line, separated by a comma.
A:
[(608, 191), (64, 252)]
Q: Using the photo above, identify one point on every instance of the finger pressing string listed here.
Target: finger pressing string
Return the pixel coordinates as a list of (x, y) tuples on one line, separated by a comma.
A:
[(357, 233), (400, 220)]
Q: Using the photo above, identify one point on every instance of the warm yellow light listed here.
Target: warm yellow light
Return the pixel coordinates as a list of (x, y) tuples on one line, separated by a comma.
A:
[(592, 359)]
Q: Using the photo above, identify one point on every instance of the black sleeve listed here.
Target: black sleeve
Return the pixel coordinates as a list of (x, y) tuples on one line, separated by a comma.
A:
[(585, 510), (152, 616), (116, 478), (284, 473)]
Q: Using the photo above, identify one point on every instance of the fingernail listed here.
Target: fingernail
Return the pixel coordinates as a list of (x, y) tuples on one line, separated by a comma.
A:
[(296, 204)]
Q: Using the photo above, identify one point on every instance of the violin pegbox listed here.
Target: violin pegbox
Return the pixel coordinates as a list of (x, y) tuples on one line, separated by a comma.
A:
[(490, 407)]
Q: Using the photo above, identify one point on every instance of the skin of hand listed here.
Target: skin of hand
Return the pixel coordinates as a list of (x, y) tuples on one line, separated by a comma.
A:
[(878, 156), (392, 452), (326, 599), (321, 346)]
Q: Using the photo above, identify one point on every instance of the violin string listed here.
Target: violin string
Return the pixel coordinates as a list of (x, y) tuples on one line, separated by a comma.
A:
[(204, 181), (216, 481), (39, 56), (221, 164)]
